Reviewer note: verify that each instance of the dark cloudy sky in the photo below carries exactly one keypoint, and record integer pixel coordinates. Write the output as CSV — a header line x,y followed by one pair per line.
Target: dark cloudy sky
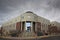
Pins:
x,y
49,9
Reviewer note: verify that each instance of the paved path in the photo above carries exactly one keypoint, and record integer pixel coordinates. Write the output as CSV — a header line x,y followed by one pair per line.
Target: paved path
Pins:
x,y
43,38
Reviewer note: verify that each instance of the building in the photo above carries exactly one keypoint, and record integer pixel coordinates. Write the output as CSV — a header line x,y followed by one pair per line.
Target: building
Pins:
x,y
27,23
54,27
0,31
54,23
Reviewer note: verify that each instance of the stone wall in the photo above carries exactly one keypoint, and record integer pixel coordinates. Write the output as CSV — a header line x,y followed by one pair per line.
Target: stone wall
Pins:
x,y
18,26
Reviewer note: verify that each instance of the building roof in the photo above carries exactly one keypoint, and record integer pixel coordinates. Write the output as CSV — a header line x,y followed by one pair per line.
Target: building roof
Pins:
x,y
29,12
26,15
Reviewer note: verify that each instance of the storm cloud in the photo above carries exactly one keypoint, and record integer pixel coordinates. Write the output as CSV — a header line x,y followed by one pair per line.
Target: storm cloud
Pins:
x,y
49,9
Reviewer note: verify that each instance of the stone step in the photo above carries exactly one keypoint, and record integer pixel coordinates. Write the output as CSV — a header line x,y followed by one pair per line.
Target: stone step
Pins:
x,y
28,34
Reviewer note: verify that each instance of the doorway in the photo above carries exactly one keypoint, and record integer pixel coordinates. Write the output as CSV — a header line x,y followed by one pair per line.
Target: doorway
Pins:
x,y
28,26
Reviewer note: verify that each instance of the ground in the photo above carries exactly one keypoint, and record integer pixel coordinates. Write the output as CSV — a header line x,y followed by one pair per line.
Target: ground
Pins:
x,y
33,38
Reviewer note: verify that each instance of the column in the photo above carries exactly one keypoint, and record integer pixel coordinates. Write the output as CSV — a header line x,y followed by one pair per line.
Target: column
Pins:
x,y
21,26
25,26
31,26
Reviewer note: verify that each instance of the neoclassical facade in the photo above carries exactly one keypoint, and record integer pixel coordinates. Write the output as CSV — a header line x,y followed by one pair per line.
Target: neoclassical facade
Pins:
x,y
28,24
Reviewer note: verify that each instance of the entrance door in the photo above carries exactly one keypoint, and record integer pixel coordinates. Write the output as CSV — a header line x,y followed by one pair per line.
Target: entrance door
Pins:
x,y
28,26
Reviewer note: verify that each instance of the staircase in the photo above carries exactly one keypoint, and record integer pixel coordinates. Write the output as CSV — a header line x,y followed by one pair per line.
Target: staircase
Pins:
x,y
28,34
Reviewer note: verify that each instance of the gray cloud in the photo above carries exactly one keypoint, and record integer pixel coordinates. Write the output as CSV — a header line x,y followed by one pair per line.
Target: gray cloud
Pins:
x,y
49,9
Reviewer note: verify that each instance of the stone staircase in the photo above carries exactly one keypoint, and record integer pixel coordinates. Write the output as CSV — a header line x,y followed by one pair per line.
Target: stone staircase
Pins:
x,y
28,34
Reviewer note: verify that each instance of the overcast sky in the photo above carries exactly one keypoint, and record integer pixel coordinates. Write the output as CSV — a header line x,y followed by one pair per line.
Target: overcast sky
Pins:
x,y
49,9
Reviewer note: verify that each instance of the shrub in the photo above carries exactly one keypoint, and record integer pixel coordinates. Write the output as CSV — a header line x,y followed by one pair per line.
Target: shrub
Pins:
x,y
39,34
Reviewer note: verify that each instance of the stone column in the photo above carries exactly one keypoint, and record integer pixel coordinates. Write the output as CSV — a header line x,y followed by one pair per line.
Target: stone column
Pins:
x,y
35,26
31,26
25,26
21,26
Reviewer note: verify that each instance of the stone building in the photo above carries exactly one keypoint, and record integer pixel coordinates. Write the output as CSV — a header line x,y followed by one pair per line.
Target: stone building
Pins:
x,y
54,27
28,24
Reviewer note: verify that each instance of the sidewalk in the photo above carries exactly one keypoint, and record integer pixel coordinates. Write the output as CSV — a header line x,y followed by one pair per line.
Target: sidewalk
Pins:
x,y
29,37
